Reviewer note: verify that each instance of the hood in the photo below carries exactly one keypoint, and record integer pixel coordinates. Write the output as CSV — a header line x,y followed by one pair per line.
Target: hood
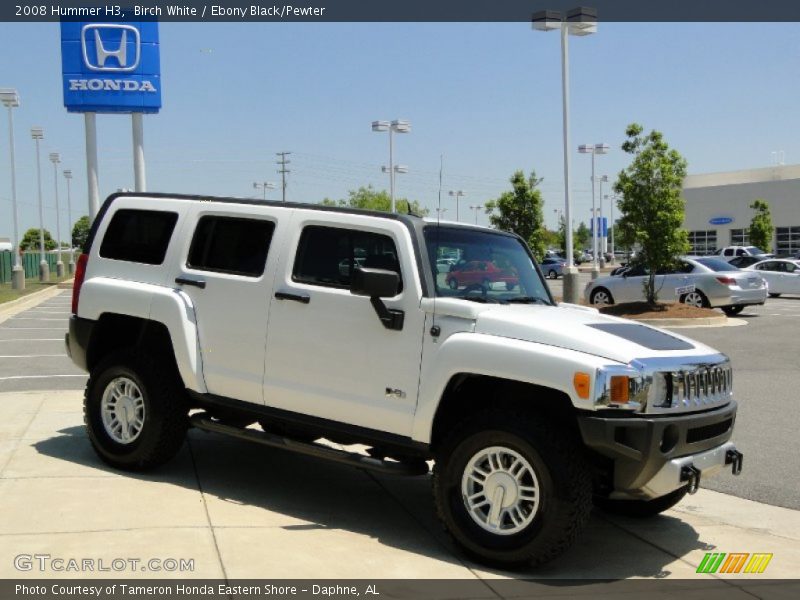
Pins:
x,y
588,331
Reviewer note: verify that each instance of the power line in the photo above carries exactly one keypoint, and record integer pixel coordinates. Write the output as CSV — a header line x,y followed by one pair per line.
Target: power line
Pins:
x,y
283,171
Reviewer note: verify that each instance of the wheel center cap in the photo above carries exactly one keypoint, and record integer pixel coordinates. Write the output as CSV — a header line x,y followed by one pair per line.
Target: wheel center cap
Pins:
x,y
507,484
126,409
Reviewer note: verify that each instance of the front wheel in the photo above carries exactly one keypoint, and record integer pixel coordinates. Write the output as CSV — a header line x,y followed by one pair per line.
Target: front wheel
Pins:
x,y
511,490
733,310
135,411
552,274
641,508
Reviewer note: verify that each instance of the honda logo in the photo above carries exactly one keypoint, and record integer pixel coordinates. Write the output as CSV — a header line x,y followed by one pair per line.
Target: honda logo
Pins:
x,y
110,47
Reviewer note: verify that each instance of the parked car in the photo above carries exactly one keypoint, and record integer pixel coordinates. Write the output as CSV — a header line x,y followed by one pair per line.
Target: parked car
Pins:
x,y
553,268
782,275
443,265
702,281
480,273
730,252
741,262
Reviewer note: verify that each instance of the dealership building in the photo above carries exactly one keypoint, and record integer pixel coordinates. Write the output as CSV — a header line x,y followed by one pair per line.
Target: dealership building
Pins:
x,y
718,209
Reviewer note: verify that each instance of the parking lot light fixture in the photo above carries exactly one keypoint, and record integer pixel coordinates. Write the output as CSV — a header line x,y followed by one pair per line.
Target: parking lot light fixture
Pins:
x,y
55,158
264,186
68,177
37,134
594,149
396,126
579,21
456,194
10,99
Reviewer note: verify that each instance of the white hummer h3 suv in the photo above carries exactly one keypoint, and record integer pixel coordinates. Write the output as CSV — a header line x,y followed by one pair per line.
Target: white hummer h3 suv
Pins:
x,y
315,322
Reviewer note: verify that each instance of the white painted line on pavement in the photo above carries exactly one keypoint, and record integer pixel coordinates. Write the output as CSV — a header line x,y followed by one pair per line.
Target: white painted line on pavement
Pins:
x,y
33,319
32,328
38,376
33,340
30,355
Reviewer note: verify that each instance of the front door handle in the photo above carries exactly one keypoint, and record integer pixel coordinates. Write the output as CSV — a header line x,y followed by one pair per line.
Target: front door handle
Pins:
x,y
201,283
302,298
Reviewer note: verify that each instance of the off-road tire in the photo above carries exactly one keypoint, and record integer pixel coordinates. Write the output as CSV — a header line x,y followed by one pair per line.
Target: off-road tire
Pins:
x,y
641,509
165,418
565,496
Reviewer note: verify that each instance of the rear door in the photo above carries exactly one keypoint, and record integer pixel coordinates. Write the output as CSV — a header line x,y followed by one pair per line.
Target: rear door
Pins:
x,y
227,268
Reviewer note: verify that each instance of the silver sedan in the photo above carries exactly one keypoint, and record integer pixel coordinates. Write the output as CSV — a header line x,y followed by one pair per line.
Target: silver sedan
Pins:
x,y
698,281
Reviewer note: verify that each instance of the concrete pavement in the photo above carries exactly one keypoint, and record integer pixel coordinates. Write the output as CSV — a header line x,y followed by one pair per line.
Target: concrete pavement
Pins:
x,y
243,511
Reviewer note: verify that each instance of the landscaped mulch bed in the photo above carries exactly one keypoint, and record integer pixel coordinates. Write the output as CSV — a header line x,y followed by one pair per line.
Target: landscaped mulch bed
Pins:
x,y
662,310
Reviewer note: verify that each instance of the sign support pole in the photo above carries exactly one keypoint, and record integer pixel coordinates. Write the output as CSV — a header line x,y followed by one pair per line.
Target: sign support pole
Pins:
x,y
90,120
138,152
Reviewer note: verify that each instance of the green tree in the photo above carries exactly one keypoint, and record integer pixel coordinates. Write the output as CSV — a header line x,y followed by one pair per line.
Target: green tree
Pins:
x,y
761,225
80,232
369,198
582,236
520,211
651,206
562,237
30,241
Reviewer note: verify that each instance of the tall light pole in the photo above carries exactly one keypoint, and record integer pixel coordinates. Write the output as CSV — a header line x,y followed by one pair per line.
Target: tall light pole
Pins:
x,y
10,99
603,230
264,186
612,200
476,208
37,133
456,194
55,158
398,170
579,21
440,212
594,149
68,177
396,126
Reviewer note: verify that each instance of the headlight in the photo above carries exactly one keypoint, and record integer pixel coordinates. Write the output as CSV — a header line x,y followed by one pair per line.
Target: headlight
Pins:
x,y
621,387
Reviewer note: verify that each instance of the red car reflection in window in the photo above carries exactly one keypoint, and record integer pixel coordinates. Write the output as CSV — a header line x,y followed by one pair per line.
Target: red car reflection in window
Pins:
x,y
480,273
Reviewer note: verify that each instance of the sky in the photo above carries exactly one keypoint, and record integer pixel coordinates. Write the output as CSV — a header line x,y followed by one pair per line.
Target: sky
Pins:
x,y
483,99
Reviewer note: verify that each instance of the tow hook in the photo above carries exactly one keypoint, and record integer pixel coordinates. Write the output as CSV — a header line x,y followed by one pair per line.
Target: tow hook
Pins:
x,y
735,458
691,474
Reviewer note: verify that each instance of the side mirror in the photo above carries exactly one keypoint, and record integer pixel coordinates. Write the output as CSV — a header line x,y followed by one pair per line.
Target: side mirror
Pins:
x,y
375,283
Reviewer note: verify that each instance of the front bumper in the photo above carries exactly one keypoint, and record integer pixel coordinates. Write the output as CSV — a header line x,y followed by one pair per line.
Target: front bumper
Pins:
x,y
649,457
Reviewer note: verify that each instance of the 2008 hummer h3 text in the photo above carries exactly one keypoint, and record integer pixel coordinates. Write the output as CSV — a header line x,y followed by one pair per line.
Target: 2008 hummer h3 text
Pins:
x,y
421,340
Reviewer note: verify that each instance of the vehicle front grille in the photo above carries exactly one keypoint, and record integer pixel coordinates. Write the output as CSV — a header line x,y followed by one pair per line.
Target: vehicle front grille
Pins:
x,y
698,388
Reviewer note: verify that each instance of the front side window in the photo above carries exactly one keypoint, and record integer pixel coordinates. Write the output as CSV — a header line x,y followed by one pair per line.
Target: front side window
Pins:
x,y
328,256
140,236
490,267
230,245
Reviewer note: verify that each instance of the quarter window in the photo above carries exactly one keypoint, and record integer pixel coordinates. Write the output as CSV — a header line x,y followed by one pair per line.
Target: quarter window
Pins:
x,y
140,236
231,245
327,256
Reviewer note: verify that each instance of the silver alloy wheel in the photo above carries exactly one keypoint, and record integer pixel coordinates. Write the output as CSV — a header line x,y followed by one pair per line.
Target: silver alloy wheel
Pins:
x,y
601,297
122,410
694,299
500,490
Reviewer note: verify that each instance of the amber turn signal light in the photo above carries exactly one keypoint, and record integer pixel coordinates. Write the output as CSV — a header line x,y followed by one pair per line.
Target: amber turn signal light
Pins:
x,y
582,383
619,389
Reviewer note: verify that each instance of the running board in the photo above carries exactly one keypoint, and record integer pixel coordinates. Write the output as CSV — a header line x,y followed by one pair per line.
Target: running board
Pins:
x,y
206,423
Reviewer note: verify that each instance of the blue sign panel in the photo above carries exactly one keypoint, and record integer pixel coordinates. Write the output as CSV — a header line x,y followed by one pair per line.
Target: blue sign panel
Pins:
x,y
720,220
111,67
602,226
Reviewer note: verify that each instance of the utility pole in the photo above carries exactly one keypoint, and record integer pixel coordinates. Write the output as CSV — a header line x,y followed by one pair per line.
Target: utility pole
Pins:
x,y
283,170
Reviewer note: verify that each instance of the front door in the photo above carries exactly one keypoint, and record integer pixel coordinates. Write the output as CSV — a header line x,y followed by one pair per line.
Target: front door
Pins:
x,y
328,355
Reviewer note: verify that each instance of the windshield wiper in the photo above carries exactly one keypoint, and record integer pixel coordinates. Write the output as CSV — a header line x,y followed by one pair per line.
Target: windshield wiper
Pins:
x,y
527,300
479,299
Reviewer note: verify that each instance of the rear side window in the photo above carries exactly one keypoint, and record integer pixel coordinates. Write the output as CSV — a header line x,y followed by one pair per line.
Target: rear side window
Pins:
x,y
140,236
328,255
231,245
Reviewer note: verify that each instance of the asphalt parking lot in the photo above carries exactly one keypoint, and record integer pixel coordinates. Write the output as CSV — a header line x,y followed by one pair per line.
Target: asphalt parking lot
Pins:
x,y
763,351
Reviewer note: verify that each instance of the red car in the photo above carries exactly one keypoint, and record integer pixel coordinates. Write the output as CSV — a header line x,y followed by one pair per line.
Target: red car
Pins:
x,y
481,273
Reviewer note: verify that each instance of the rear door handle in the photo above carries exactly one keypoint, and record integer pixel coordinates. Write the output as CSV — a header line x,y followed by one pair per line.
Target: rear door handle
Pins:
x,y
302,298
201,283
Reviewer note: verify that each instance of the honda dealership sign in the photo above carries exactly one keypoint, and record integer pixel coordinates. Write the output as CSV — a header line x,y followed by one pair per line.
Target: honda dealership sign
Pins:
x,y
111,67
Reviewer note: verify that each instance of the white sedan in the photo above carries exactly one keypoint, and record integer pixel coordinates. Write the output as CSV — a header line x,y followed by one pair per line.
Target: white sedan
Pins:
x,y
782,275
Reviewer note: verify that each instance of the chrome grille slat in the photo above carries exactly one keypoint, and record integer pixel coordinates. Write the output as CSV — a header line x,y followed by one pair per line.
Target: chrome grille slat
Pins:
x,y
698,387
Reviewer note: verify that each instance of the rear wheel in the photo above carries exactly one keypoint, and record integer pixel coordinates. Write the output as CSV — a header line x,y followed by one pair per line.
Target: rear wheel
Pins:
x,y
773,295
511,490
552,274
641,508
733,310
135,411
601,296
696,298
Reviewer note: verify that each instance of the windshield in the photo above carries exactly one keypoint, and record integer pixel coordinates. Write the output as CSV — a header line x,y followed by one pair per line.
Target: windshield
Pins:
x,y
483,266
755,250
716,264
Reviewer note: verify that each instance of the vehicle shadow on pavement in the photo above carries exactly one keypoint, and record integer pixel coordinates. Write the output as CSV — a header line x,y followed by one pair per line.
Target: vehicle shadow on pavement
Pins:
x,y
301,507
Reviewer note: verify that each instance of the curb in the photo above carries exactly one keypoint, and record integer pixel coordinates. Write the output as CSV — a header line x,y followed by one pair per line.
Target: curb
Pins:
x,y
721,321
14,307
